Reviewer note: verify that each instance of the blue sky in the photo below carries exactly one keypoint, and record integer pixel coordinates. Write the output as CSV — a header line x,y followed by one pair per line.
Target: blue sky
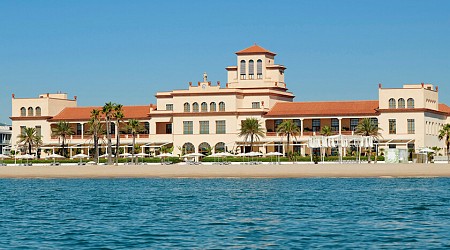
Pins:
x,y
125,51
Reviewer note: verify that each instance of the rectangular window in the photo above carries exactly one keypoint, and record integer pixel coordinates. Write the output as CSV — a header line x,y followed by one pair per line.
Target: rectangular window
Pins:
x,y
334,124
256,105
169,128
22,130
147,127
188,127
392,126
38,131
411,126
220,127
169,107
277,123
298,123
316,125
204,127
78,128
353,123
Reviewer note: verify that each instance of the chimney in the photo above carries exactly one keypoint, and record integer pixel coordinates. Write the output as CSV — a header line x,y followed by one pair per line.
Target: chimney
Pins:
x,y
379,85
209,83
198,83
75,97
218,83
13,96
190,84
227,85
423,85
437,89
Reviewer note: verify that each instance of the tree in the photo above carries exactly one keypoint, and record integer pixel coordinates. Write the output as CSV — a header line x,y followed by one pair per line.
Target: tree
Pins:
x,y
444,134
118,118
108,110
30,138
367,127
62,130
251,128
134,127
95,129
326,131
288,128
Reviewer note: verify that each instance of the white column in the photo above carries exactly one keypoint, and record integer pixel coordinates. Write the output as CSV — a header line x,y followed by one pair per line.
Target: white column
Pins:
x,y
340,125
301,126
82,130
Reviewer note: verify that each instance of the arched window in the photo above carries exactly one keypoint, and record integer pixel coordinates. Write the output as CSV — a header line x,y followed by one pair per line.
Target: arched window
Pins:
x,y
251,69
221,106
410,103
259,68
187,107
401,103
204,148
392,103
243,70
23,111
195,107
219,148
30,111
38,111
212,107
204,107
188,148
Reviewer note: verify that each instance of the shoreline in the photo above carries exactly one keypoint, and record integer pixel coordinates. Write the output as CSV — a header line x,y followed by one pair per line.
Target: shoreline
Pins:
x,y
379,170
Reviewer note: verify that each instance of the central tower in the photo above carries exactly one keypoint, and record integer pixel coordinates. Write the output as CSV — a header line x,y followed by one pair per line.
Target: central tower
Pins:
x,y
256,68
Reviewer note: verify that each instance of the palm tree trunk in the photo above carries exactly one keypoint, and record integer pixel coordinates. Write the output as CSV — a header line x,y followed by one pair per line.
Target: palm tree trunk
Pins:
x,y
370,152
96,148
288,142
251,143
108,135
63,139
29,148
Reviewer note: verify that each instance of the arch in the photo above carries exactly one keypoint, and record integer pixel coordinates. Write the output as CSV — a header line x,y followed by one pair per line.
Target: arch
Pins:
x,y
30,111
38,111
23,111
204,107
221,106
212,107
188,148
401,103
204,148
410,103
259,68
219,147
187,107
251,69
243,71
392,103
194,107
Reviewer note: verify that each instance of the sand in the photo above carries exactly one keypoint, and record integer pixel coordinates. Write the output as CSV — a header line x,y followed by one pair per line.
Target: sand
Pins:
x,y
229,171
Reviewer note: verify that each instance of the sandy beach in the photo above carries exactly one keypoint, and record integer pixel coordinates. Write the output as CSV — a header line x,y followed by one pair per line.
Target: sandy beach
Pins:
x,y
229,171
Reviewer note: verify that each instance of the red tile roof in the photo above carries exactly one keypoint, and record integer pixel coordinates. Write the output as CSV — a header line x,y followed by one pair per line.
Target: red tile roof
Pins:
x,y
84,113
255,49
444,108
337,108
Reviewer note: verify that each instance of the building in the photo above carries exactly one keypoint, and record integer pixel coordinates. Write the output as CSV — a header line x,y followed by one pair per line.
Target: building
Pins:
x,y
207,116
5,138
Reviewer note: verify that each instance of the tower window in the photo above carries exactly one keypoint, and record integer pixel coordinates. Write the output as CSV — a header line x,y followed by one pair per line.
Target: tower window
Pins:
x,y
212,107
204,107
38,111
187,107
195,107
259,69
23,111
251,69
221,106
243,70
410,103
30,111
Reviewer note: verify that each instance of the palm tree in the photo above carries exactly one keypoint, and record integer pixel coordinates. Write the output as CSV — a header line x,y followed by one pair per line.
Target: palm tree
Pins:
x,y
444,133
251,127
326,131
118,117
62,130
367,127
95,129
30,138
288,128
108,110
134,127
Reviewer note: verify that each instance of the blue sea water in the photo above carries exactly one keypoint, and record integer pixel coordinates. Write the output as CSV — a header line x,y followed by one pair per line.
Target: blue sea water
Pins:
x,y
225,213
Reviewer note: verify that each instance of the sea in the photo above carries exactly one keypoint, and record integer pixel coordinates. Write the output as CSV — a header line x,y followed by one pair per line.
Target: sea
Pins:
x,y
231,213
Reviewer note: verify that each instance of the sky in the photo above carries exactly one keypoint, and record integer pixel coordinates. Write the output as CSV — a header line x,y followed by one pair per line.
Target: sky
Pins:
x,y
126,51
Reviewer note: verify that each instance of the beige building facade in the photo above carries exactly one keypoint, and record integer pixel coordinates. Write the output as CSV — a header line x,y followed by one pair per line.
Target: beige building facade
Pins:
x,y
206,116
